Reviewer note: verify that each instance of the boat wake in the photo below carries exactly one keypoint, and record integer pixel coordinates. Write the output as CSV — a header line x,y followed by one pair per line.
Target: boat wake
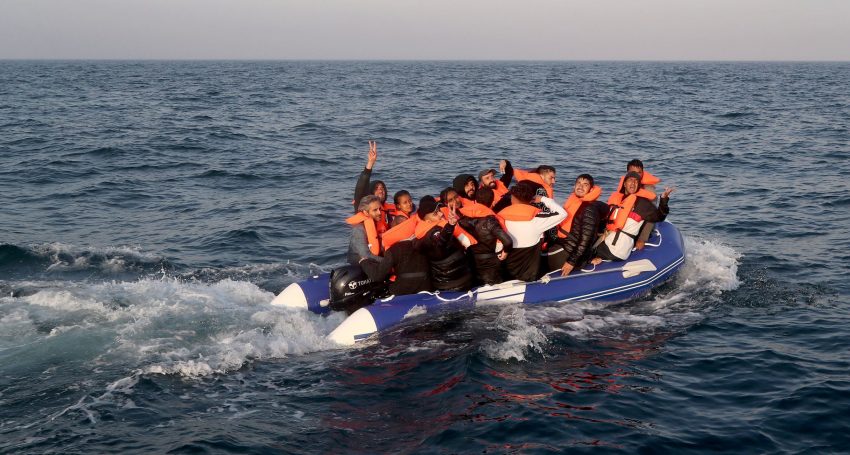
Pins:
x,y
524,330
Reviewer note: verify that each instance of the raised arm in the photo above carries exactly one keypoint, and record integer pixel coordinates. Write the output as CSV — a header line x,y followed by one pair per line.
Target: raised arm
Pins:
x,y
363,182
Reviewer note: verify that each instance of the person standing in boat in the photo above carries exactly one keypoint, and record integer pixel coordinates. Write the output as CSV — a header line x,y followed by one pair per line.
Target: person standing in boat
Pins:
x,y
630,208
584,223
365,186
448,264
525,225
365,241
493,243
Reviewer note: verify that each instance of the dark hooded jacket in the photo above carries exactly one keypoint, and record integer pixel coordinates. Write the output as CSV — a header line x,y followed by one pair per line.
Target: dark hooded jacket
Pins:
x,y
460,181
449,267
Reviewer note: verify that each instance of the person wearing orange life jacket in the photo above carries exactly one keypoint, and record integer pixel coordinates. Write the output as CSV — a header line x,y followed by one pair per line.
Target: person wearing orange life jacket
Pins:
x,y
544,175
366,187
487,179
493,243
448,264
364,241
404,207
584,223
630,208
402,258
465,186
648,181
525,225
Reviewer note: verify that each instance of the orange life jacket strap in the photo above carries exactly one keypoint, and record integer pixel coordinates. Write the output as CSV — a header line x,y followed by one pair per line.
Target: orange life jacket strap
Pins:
x,y
521,175
371,230
571,206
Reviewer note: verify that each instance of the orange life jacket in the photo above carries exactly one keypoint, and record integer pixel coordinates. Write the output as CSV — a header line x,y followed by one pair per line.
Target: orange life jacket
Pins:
x,y
499,192
480,211
626,204
647,179
572,204
403,231
534,177
371,230
462,236
387,210
519,212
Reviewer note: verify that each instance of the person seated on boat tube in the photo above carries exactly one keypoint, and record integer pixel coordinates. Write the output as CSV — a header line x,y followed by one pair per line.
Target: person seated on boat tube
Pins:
x,y
487,179
630,208
366,187
493,243
448,264
581,228
525,225
365,241
465,186
404,207
648,181
405,260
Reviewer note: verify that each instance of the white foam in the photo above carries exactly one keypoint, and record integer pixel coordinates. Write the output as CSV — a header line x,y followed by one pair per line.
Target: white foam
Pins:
x,y
67,258
164,326
709,270
521,338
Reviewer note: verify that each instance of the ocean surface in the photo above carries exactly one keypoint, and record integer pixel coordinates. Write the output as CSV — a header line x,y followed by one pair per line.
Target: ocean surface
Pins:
x,y
150,211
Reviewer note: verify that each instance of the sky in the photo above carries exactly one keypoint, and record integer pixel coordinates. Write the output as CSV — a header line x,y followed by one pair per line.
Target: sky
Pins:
x,y
426,29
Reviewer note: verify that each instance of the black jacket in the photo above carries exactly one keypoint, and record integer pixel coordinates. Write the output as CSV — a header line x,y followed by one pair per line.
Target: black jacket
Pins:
x,y
448,265
409,265
487,231
588,223
647,210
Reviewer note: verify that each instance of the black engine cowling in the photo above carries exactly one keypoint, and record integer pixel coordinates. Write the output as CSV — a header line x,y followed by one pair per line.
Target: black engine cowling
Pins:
x,y
351,289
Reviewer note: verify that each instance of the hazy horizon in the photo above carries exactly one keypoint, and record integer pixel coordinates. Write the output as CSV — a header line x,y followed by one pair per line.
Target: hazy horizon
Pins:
x,y
418,30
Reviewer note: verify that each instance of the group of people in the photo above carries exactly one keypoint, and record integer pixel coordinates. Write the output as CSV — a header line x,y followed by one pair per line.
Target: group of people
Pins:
x,y
488,230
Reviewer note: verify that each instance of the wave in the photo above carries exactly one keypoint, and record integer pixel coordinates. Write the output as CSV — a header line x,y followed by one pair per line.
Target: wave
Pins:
x,y
710,270
59,257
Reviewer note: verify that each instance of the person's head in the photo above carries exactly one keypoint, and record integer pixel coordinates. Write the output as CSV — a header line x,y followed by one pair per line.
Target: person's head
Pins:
x,y
378,188
449,198
635,166
487,178
429,209
403,201
547,173
584,183
484,196
631,183
523,192
465,185
371,206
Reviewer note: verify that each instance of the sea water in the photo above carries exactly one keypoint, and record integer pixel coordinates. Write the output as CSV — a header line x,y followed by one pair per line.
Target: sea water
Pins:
x,y
150,211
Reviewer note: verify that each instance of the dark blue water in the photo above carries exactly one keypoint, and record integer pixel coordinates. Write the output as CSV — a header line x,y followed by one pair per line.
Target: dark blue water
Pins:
x,y
150,210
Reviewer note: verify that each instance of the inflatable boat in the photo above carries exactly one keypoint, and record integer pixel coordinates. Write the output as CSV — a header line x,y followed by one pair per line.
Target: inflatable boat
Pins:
x,y
645,269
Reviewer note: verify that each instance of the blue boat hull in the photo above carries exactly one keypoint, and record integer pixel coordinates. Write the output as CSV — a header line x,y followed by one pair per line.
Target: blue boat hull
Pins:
x,y
664,253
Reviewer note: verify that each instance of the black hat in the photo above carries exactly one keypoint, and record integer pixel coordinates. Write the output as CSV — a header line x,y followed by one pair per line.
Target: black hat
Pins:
x,y
632,175
485,172
426,205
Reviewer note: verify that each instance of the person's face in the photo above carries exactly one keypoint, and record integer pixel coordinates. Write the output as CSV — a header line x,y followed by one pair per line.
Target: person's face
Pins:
x,y
469,189
582,187
405,204
374,211
488,181
631,185
434,216
381,192
635,169
549,178
451,200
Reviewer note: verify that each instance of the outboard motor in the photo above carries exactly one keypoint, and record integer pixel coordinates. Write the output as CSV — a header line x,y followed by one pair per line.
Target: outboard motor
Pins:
x,y
351,289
